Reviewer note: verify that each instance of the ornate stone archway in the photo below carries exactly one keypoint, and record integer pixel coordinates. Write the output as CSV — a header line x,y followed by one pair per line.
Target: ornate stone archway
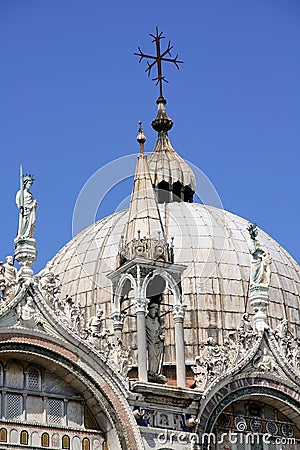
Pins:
x,y
103,397
230,411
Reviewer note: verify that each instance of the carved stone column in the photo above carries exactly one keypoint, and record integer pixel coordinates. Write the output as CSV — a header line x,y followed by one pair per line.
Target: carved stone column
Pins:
x,y
140,305
178,315
25,254
259,300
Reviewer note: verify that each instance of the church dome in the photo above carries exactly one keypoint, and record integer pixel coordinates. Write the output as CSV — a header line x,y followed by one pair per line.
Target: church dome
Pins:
x,y
212,244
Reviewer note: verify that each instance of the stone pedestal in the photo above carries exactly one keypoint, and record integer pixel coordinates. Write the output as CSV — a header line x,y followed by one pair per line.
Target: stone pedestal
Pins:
x,y
259,300
25,255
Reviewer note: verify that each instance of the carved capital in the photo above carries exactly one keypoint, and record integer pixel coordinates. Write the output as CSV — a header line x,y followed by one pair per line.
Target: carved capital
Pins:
x,y
141,305
178,312
118,320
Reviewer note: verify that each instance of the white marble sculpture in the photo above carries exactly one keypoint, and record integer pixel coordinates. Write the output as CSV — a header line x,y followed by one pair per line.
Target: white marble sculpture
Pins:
x,y
9,278
27,206
260,262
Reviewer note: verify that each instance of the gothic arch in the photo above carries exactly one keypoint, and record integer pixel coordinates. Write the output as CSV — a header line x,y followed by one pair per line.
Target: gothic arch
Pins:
x,y
120,286
100,392
172,284
268,390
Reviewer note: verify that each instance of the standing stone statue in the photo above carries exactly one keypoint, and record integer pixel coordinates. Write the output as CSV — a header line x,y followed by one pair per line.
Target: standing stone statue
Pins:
x,y
155,344
48,283
260,273
2,280
245,332
95,325
27,206
10,271
10,278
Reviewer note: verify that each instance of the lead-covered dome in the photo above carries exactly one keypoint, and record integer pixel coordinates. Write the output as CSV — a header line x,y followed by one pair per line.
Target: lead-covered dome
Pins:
x,y
212,243
172,177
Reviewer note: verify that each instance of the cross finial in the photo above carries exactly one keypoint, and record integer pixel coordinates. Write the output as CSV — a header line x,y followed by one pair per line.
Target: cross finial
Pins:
x,y
158,58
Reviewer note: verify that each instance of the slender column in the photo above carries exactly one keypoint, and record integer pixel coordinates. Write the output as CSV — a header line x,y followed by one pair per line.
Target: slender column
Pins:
x,y
178,314
140,306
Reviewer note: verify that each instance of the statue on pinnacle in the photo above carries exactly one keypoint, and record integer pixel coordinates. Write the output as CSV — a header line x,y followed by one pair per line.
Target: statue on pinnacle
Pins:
x,y
27,208
25,251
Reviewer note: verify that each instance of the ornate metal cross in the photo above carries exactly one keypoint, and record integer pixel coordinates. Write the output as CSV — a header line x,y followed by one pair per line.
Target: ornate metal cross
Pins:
x,y
158,59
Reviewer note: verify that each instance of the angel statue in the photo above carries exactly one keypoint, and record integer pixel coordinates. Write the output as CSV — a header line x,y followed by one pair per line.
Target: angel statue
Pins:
x,y
260,272
27,206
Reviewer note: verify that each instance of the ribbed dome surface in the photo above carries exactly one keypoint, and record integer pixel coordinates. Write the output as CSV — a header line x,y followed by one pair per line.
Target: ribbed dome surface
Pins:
x,y
166,165
212,243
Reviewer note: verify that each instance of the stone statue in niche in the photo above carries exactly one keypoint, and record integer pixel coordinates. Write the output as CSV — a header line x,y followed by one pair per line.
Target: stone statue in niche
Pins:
x,y
27,208
260,272
48,283
27,314
9,279
155,344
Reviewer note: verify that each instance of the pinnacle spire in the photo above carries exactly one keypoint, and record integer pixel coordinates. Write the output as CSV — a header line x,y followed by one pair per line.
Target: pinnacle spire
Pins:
x,y
141,138
144,234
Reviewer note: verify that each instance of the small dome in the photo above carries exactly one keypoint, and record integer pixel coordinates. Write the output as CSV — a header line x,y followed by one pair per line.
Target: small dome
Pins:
x,y
166,165
212,243
171,176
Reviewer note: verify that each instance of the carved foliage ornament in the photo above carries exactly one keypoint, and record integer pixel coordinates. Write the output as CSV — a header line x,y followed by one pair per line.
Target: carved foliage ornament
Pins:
x,y
214,359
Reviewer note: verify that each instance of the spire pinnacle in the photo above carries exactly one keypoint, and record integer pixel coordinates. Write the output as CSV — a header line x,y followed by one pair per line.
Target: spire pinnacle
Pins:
x,y
141,138
144,234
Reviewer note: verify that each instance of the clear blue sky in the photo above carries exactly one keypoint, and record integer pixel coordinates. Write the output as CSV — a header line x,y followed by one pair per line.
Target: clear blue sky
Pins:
x,y
71,93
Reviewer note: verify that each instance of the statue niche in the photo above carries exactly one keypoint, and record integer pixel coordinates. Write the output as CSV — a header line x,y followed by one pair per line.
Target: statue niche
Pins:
x,y
154,330
155,343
